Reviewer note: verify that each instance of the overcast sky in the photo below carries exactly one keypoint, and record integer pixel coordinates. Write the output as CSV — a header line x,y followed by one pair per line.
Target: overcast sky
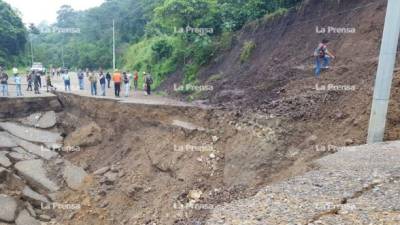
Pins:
x,y
36,11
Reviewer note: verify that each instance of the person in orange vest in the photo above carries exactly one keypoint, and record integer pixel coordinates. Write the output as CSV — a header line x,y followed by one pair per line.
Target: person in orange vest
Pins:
x,y
117,78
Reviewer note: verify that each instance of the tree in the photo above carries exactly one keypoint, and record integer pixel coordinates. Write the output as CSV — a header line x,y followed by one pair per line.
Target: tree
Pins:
x,y
12,35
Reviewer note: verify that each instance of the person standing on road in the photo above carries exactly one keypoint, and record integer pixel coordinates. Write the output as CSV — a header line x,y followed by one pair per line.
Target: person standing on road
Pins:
x,y
17,80
36,78
40,80
93,83
103,84
4,83
322,54
81,80
135,80
127,83
29,81
67,81
108,77
149,81
49,86
117,82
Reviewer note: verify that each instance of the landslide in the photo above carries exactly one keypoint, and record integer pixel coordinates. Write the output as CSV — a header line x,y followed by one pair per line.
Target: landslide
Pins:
x,y
156,182
278,77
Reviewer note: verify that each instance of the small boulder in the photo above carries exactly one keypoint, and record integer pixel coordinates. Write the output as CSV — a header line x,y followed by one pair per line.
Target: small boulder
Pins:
x,y
35,174
48,120
102,171
8,208
34,197
74,175
4,160
24,218
84,136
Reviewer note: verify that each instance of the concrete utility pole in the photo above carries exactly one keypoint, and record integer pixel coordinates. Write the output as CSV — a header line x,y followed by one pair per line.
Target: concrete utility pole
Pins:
x,y
113,46
31,48
383,82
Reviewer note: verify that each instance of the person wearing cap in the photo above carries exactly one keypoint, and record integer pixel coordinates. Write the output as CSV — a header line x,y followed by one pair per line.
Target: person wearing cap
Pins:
x,y
117,82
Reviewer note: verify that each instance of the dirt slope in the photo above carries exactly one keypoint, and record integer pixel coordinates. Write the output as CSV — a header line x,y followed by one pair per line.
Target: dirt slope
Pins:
x,y
278,78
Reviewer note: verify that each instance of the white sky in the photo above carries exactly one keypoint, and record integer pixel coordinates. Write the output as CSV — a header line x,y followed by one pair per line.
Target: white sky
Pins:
x,y
36,11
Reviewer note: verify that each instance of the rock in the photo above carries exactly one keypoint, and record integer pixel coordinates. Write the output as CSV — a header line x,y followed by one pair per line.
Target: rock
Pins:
x,y
132,190
102,171
37,150
25,219
4,161
212,156
52,196
30,209
195,194
34,197
15,182
35,174
44,218
6,141
186,125
84,136
48,120
312,140
32,120
114,169
215,139
84,165
8,208
15,156
3,174
30,133
110,178
349,142
74,175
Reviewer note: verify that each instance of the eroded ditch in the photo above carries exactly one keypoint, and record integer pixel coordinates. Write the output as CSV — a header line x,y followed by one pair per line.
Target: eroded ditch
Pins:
x,y
122,163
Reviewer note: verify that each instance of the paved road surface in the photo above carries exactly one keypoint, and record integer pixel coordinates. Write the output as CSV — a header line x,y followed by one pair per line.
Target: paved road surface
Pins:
x,y
138,97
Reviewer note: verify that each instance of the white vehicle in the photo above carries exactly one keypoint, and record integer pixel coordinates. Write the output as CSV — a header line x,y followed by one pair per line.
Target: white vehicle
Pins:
x,y
38,67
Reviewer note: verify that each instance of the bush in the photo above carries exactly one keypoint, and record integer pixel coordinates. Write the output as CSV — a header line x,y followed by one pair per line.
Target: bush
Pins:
x,y
161,49
247,50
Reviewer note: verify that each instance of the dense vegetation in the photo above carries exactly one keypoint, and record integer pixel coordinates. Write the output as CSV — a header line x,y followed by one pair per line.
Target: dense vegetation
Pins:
x,y
12,36
161,36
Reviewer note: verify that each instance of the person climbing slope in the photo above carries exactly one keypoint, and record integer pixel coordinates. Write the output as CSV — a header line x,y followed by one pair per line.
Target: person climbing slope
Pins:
x,y
322,54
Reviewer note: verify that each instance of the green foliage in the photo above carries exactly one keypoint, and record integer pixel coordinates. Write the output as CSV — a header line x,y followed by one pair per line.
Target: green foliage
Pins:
x,y
215,77
278,13
12,36
173,14
247,50
156,36
161,49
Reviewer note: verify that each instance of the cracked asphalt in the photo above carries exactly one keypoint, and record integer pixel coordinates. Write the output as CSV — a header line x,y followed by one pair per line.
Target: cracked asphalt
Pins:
x,y
357,185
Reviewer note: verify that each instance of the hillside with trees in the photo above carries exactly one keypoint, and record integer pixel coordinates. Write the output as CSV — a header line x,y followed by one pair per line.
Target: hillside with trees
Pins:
x,y
160,36
12,36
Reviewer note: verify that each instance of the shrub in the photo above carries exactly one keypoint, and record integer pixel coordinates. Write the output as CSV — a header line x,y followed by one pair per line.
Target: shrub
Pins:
x,y
247,50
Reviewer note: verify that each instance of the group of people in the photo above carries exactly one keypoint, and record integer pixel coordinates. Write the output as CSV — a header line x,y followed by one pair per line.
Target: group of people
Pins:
x,y
31,78
124,79
120,80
